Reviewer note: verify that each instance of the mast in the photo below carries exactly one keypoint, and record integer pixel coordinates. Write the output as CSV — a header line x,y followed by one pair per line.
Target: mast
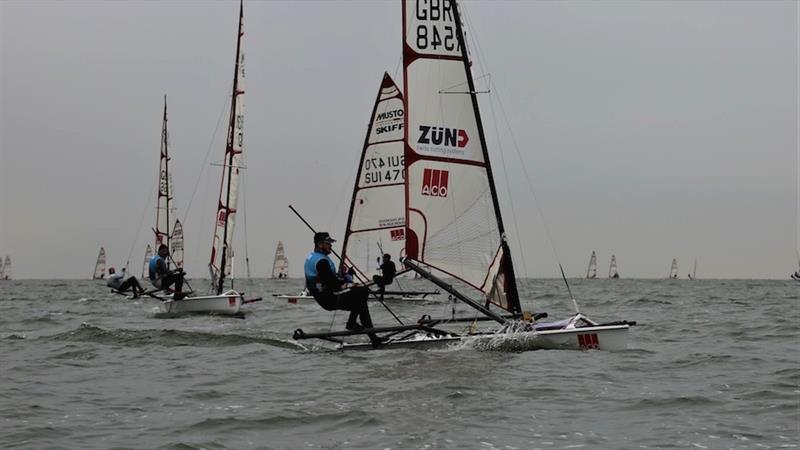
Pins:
x,y
511,279
226,208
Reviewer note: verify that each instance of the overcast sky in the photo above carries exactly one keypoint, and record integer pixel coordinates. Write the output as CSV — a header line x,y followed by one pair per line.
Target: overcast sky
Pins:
x,y
652,130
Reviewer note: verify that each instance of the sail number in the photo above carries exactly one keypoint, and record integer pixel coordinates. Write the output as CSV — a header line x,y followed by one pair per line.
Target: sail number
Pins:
x,y
384,170
431,37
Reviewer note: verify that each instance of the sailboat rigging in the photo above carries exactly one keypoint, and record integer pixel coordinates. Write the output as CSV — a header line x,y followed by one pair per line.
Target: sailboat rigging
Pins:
x,y
453,223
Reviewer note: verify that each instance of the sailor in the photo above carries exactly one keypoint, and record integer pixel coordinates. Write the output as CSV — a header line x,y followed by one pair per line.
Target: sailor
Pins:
x,y
120,282
160,275
324,285
388,271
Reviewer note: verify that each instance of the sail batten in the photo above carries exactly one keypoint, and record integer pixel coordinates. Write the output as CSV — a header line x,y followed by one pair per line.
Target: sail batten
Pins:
x,y
453,218
222,243
376,220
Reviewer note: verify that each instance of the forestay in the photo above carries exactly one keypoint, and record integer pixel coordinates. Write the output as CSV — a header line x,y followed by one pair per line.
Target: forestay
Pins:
x,y
376,222
453,217
280,265
222,244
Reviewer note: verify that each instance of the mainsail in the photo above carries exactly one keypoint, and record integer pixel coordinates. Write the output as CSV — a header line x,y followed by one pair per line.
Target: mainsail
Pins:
x,y
7,268
453,216
176,244
164,203
280,265
99,265
2,269
148,254
376,223
591,272
673,270
222,244
612,268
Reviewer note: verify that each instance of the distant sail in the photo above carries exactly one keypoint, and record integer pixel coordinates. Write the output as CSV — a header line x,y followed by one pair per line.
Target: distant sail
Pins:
x,y
673,270
377,210
591,272
693,275
612,269
148,254
280,265
2,269
99,265
6,268
177,244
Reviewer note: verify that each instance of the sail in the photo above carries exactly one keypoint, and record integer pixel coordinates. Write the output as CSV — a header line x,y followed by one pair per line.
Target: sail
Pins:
x,y
612,268
591,272
148,254
99,265
453,217
2,269
280,265
694,270
176,244
222,243
673,270
7,268
376,222
164,202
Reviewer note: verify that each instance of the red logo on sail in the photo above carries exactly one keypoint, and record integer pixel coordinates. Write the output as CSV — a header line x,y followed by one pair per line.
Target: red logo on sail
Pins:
x,y
398,234
434,182
221,218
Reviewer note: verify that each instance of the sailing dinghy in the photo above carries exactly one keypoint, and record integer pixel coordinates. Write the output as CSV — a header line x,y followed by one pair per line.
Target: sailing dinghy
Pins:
x,y
280,265
453,225
673,269
5,268
100,265
591,272
223,301
612,268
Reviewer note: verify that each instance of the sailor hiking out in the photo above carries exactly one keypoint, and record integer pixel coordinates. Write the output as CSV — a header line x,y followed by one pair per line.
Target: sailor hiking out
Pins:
x,y
323,283
162,277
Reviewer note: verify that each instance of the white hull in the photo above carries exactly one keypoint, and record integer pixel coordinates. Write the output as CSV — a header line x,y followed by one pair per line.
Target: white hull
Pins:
x,y
228,304
609,338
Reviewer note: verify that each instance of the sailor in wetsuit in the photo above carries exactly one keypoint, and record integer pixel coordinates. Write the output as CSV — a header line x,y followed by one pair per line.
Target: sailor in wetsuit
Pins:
x,y
160,275
324,285
388,271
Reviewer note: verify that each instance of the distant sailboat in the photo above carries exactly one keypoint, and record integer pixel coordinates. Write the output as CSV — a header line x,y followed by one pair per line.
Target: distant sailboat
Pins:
x,y
177,243
673,270
280,265
5,268
612,268
591,272
148,254
99,265
693,275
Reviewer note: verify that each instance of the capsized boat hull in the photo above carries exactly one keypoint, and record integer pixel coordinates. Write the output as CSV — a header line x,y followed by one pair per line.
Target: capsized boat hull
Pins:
x,y
607,337
228,303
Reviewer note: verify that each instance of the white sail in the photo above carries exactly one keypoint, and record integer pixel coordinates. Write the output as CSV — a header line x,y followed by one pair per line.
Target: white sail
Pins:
x,y
148,254
612,268
222,243
7,268
2,269
280,265
591,272
376,222
164,202
99,265
453,219
673,270
176,244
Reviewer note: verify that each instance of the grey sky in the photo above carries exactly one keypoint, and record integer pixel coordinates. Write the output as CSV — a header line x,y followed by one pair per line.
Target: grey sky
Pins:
x,y
652,130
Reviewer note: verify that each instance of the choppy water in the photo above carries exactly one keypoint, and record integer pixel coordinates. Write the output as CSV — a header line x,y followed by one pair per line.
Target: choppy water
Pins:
x,y
712,364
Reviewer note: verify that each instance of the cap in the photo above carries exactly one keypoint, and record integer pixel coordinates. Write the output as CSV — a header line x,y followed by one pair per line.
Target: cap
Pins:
x,y
323,236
